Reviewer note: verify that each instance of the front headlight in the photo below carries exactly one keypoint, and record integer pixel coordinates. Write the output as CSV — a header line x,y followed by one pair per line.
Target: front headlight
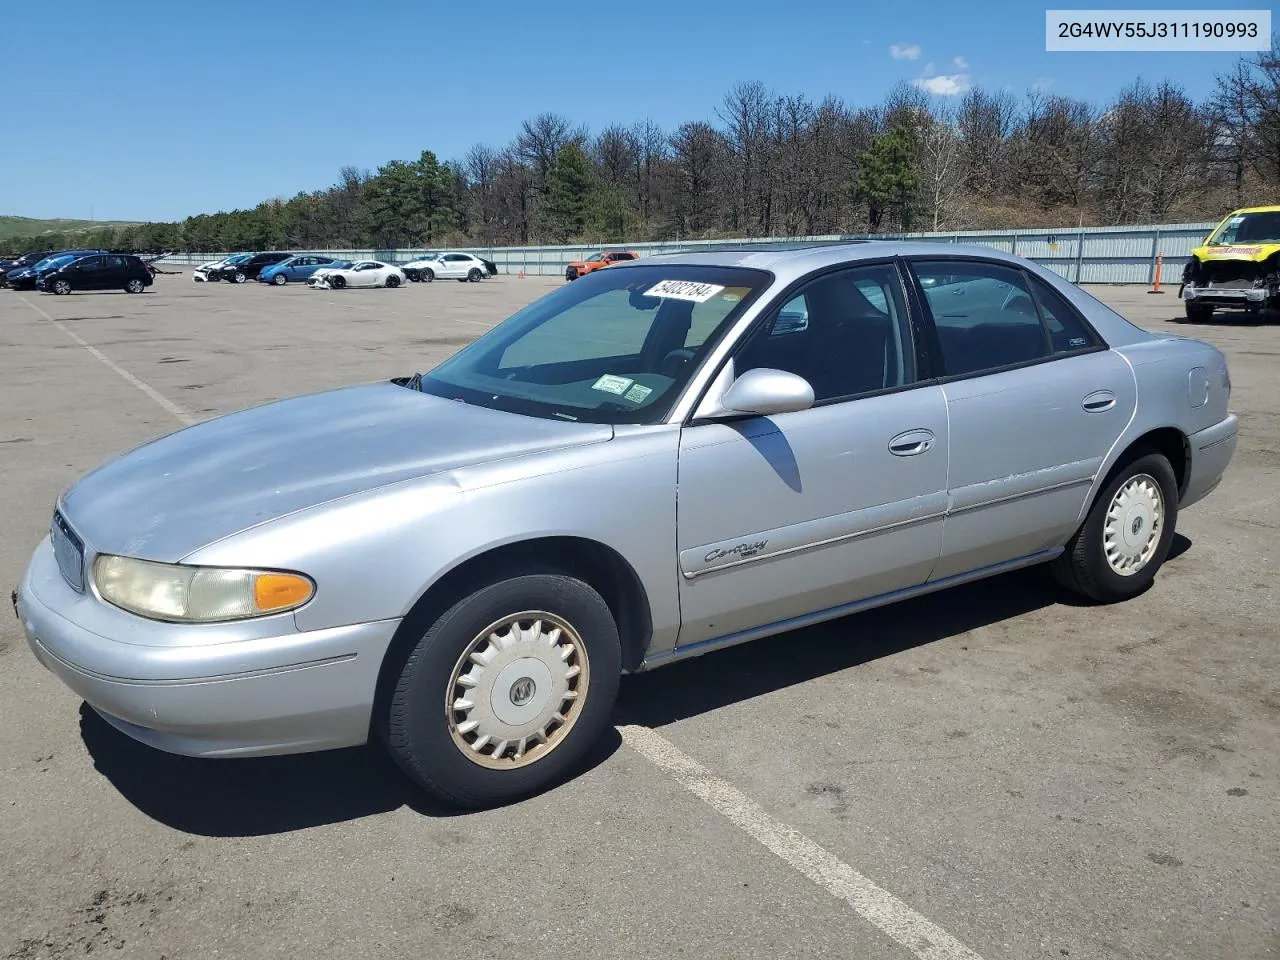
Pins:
x,y
189,594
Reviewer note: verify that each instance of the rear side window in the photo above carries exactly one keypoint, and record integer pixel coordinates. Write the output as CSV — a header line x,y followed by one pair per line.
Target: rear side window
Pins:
x,y
984,315
1067,330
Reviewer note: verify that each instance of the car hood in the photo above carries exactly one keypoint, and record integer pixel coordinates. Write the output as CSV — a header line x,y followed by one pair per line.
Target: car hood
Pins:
x,y
169,497
1256,252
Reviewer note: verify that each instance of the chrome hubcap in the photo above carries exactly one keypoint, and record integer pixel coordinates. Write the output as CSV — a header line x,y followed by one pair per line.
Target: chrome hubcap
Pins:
x,y
1135,520
517,690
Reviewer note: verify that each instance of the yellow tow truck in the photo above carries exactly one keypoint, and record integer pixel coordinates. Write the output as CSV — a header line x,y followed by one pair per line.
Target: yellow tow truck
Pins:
x,y
1238,267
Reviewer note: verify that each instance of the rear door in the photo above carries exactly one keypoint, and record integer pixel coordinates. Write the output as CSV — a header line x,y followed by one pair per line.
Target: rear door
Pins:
x,y
1035,400
114,272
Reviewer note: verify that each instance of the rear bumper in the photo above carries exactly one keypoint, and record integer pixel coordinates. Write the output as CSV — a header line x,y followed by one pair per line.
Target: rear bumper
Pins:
x,y
1211,452
290,693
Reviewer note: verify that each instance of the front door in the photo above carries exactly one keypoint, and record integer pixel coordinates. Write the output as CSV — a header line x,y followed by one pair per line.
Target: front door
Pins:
x,y
1035,401
799,513
91,273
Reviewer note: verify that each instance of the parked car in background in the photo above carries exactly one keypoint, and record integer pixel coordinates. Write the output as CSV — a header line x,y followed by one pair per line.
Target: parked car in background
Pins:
x,y
209,272
21,263
107,271
297,268
414,268
249,268
1238,267
597,261
363,273
463,562
453,265
25,278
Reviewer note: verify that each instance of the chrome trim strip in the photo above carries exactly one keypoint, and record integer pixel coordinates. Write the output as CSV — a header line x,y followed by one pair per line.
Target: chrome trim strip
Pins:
x,y
1021,495
844,609
1214,443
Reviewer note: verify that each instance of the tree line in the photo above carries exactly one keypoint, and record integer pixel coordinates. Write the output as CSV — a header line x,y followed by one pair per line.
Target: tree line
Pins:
x,y
770,164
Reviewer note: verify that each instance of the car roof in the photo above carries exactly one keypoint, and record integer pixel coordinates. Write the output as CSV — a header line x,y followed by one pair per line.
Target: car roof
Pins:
x,y
1271,209
790,260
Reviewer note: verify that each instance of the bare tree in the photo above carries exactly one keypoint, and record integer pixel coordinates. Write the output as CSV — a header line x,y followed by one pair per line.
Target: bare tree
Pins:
x,y
613,152
746,114
939,170
697,155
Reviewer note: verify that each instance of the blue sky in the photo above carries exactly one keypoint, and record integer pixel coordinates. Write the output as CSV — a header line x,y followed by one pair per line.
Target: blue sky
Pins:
x,y
159,112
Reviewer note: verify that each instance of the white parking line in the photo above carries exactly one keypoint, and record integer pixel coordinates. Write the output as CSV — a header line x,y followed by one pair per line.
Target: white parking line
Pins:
x,y
873,903
186,419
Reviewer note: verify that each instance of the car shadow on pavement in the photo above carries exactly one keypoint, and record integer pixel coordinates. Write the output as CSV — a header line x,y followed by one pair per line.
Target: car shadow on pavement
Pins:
x,y
763,666
264,795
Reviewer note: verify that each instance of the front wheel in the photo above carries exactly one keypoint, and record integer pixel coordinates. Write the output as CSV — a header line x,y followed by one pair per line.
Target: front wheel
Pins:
x,y
1199,312
393,282
506,691
134,286
240,277
427,275
279,279
61,287
1126,536
337,282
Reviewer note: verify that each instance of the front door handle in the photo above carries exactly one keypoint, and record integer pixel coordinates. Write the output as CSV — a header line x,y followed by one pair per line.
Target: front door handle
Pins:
x,y
1099,401
911,443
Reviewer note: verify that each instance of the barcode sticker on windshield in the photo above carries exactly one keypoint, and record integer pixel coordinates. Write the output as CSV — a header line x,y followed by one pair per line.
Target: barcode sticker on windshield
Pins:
x,y
610,383
684,290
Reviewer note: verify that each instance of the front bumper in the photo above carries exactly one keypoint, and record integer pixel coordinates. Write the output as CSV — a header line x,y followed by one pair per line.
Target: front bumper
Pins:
x,y
289,693
1242,297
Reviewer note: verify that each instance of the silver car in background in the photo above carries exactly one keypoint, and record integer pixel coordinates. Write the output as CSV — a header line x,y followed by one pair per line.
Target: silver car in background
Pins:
x,y
660,460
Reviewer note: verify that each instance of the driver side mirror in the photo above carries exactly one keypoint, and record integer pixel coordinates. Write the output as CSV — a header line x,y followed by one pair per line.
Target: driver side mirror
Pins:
x,y
763,392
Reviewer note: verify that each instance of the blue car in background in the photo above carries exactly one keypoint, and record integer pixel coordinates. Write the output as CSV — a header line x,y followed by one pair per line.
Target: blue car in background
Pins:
x,y
297,269
26,277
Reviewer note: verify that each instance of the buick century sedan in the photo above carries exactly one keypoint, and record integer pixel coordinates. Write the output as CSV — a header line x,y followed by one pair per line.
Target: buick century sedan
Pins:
x,y
657,461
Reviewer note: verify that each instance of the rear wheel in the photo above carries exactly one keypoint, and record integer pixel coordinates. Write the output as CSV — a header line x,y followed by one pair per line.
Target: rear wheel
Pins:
x,y
279,279
474,275
134,286
1123,541
506,691
393,281
1199,312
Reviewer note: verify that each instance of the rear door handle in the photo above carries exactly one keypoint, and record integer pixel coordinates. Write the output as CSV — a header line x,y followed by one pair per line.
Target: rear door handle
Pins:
x,y
1099,401
911,443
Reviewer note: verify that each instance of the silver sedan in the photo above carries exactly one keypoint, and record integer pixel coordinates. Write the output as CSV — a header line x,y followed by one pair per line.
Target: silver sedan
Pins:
x,y
663,459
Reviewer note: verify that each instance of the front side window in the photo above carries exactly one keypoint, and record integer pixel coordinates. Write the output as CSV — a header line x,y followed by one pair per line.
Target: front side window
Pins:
x,y
846,333
91,263
617,347
983,313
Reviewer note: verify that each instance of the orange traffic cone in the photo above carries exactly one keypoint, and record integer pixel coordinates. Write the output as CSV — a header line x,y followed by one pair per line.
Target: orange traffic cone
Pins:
x,y
1155,288
520,275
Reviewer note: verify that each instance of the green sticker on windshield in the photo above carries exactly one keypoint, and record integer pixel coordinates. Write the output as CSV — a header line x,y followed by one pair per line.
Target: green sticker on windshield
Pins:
x,y
612,384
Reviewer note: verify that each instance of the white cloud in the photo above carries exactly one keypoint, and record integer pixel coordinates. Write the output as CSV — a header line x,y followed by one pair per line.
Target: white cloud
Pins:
x,y
928,69
947,85
905,51
962,63
1042,83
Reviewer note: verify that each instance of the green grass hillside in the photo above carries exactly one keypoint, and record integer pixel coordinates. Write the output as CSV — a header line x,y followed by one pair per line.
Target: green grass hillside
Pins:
x,y
29,227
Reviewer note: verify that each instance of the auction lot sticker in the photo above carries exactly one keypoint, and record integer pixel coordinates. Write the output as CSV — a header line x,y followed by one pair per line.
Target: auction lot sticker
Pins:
x,y
684,290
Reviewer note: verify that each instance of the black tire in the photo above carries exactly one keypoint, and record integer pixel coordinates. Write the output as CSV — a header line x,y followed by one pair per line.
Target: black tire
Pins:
x,y
61,287
337,282
279,279
1083,567
134,286
393,281
418,732
1199,312
239,277
427,275
413,276
475,274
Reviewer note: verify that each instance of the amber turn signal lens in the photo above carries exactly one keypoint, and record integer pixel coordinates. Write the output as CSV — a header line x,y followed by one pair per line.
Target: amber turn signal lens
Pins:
x,y
275,591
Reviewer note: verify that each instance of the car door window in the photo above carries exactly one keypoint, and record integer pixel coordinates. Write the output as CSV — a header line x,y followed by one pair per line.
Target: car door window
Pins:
x,y
983,313
114,263
1067,329
90,264
846,333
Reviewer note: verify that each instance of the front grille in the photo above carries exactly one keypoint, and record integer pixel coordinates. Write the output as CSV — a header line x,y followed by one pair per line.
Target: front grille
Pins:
x,y
69,551
1232,272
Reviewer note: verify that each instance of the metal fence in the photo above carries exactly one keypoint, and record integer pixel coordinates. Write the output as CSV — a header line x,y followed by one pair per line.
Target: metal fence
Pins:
x,y
1082,255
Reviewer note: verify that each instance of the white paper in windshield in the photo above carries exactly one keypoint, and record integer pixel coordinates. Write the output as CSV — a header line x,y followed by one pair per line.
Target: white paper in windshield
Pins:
x,y
611,383
684,290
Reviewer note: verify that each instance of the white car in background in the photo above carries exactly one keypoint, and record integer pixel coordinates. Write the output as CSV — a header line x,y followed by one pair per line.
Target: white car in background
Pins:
x,y
206,272
450,265
363,273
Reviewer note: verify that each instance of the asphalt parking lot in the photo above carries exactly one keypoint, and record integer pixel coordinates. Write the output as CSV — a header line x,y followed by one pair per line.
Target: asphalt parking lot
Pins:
x,y
991,772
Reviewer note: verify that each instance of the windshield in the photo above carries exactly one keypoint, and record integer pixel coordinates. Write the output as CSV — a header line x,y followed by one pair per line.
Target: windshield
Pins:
x,y
1248,228
594,257
50,262
239,258
618,346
